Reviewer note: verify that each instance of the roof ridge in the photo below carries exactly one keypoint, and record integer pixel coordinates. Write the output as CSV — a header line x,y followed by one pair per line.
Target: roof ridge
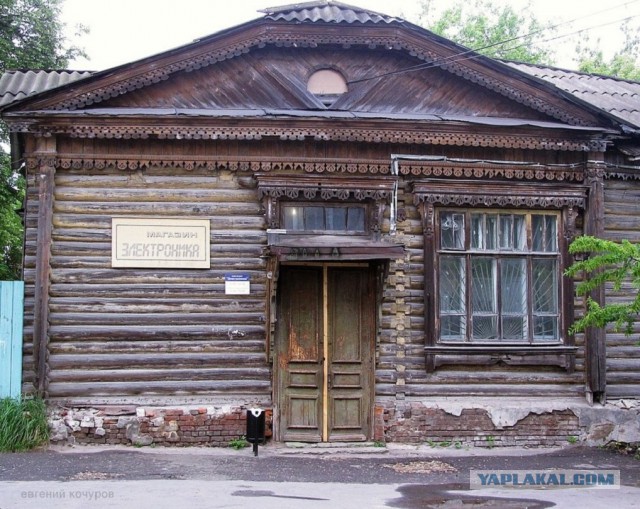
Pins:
x,y
569,71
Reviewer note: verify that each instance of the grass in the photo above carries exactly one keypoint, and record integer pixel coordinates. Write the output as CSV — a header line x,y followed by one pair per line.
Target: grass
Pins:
x,y
238,443
23,424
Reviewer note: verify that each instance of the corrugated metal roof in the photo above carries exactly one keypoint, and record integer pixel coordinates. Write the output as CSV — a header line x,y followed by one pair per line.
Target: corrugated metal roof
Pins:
x,y
620,98
328,12
16,85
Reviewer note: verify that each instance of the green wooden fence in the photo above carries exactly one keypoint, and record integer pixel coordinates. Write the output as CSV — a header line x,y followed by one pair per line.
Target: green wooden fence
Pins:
x,y
11,315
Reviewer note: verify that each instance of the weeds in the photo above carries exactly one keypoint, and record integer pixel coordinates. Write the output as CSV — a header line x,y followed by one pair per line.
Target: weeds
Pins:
x,y
572,439
23,424
491,441
238,443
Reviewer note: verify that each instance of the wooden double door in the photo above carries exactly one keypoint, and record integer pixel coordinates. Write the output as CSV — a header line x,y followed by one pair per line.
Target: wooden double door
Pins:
x,y
325,339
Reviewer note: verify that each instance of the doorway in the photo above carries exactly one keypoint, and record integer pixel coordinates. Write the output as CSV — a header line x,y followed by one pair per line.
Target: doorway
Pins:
x,y
324,343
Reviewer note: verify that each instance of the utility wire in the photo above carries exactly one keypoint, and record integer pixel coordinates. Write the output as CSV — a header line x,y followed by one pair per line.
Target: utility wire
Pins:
x,y
461,56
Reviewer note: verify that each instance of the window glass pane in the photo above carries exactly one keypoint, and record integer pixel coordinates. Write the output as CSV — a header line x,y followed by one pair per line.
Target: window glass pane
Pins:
x,y
519,232
452,327
550,239
451,230
483,298
514,328
477,231
545,285
313,218
491,230
293,218
485,327
335,218
545,327
452,284
483,285
452,298
506,227
544,233
513,285
355,219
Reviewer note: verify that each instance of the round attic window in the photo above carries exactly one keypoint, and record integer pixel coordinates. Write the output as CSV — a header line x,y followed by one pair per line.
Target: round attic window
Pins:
x,y
327,84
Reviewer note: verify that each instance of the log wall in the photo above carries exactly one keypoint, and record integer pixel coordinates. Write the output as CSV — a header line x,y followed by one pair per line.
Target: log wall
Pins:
x,y
146,334
622,213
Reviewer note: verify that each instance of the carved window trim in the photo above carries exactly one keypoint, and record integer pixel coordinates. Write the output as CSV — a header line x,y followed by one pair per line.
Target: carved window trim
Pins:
x,y
274,190
567,200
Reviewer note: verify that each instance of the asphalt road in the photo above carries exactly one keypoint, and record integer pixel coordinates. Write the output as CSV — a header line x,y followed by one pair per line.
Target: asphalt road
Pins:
x,y
400,476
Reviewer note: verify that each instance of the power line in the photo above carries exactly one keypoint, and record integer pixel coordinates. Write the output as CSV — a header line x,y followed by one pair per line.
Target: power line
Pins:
x,y
462,56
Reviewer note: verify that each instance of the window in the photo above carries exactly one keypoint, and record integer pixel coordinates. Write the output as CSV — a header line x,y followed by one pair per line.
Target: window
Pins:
x,y
325,218
498,277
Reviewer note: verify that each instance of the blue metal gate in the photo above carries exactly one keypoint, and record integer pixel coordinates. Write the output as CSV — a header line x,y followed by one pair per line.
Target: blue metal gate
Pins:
x,y
11,323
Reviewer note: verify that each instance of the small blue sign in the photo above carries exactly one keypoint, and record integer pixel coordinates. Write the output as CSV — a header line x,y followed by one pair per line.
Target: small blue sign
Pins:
x,y
236,277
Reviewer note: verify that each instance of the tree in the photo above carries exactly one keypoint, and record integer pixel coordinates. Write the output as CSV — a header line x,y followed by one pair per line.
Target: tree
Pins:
x,y
497,32
623,64
615,263
31,37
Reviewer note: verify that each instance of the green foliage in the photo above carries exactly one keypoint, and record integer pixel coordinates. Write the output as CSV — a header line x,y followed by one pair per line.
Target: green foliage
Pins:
x,y
23,424
238,443
612,263
495,31
625,63
31,37
11,199
572,439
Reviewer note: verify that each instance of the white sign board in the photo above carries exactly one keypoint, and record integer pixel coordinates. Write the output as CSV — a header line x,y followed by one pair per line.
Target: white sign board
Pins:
x,y
237,284
159,242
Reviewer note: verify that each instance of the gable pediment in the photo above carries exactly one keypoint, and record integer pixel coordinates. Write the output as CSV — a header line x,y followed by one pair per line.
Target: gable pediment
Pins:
x,y
277,78
265,63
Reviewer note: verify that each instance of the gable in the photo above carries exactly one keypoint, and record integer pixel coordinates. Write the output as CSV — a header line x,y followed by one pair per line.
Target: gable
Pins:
x,y
277,78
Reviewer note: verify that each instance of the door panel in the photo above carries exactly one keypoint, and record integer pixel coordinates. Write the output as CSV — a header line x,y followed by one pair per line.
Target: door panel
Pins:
x,y
324,399
351,309
299,338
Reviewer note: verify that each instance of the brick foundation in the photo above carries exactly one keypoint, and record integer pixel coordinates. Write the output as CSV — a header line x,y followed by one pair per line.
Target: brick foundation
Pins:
x,y
419,424
205,426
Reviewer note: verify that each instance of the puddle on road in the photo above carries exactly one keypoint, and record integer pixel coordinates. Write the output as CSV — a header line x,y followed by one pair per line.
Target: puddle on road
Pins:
x,y
417,496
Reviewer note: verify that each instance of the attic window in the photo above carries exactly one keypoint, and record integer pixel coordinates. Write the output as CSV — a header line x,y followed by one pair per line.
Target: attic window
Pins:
x,y
327,85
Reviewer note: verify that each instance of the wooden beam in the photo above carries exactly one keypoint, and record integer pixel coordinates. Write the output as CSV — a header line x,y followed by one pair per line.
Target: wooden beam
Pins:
x,y
595,338
46,149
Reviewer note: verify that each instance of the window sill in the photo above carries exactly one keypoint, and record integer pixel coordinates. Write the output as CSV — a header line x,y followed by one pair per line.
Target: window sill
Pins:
x,y
554,355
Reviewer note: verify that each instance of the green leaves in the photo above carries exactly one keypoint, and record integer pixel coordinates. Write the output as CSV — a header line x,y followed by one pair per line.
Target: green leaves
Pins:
x,y
495,31
608,263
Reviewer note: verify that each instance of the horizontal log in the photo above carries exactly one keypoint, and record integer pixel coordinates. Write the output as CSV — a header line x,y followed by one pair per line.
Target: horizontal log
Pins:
x,y
236,387
158,375
154,359
157,303
240,345
153,332
126,206
184,195
168,319
484,390
136,276
164,288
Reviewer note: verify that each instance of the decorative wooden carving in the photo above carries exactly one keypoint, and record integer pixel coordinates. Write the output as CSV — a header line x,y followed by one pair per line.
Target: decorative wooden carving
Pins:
x,y
487,194
427,135
271,188
188,161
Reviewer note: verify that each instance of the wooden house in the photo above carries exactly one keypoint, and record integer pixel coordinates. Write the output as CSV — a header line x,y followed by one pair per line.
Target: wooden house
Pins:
x,y
329,213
